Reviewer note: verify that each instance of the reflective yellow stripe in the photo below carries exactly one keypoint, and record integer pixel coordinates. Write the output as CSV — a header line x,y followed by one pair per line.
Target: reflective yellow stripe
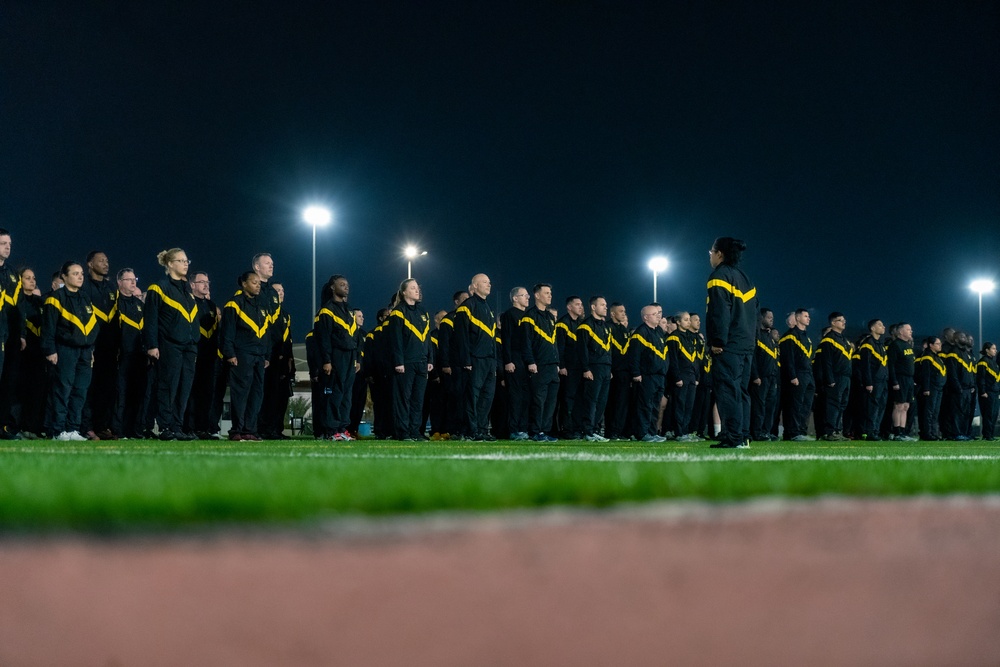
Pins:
x,y
351,328
551,339
689,356
732,289
288,332
12,300
604,345
482,325
983,364
882,359
70,317
661,355
622,350
132,323
802,347
189,316
33,329
837,345
772,353
258,331
210,331
409,325
562,325
110,314
933,362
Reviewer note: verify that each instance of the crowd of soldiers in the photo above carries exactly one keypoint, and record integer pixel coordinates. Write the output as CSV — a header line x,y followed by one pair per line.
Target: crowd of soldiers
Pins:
x,y
96,358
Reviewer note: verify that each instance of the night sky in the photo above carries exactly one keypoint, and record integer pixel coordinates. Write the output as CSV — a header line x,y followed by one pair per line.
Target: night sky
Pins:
x,y
855,146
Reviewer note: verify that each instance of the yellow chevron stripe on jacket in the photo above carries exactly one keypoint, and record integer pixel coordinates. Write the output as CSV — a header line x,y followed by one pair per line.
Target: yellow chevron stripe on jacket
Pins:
x,y
71,318
844,351
983,364
883,359
207,333
661,354
189,316
351,328
108,316
802,347
744,296
421,336
37,331
603,344
771,353
969,366
125,319
690,356
562,325
621,350
259,331
550,339
492,331
933,362
12,298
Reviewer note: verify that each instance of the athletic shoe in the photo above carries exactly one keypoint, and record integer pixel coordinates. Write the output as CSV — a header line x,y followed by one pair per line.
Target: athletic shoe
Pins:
x,y
669,435
802,438
252,437
653,438
962,438
167,435
593,437
723,445
235,437
744,444
346,437
76,437
489,438
687,437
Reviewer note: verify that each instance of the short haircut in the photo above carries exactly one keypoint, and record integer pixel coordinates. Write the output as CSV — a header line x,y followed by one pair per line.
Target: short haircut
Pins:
x,y
191,277
594,299
615,304
698,315
244,277
121,273
538,287
834,315
457,295
571,299
514,292
765,311
256,258
94,253
799,311
872,323
4,232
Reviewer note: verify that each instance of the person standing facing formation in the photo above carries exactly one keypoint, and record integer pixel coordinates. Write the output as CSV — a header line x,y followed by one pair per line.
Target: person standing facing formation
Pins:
x,y
409,329
476,350
69,330
244,344
731,330
170,334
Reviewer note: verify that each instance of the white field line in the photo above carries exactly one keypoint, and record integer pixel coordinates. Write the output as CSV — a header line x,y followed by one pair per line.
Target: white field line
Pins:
x,y
583,457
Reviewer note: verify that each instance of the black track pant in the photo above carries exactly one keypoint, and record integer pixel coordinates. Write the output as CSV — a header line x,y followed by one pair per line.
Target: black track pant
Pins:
x,y
340,384
518,398
98,410
479,392
616,413
69,388
32,391
875,408
930,412
131,401
647,404
359,397
682,401
408,400
988,414
246,392
200,403
569,398
763,405
836,398
174,378
595,398
798,405
730,380
544,394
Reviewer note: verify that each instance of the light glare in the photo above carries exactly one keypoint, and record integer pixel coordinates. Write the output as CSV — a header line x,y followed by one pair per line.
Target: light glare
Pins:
x,y
658,264
317,216
983,286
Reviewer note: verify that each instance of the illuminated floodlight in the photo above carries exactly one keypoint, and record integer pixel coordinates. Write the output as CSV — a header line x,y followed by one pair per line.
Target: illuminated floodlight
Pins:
x,y
982,285
658,264
411,252
317,216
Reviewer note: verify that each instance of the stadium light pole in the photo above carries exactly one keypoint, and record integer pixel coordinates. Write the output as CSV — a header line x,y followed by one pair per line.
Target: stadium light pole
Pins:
x,y
657,265
411,253
316,216
981,286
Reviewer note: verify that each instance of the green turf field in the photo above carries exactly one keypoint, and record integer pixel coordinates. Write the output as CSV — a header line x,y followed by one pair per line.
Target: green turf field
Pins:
x,y
152,485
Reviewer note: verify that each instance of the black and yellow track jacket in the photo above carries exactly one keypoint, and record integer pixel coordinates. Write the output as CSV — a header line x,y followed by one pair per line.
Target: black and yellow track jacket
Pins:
x,y
731,319
566,342
647,352
171,314
961,366
834,356
31,307
409,334
130,319
67,319
682,346
930,372
475,331
208,327
593,343
619,346
538,328
11,319
765,357
335,329
873,362
103,295
244,328
901,362
512,340
796,351
987,376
